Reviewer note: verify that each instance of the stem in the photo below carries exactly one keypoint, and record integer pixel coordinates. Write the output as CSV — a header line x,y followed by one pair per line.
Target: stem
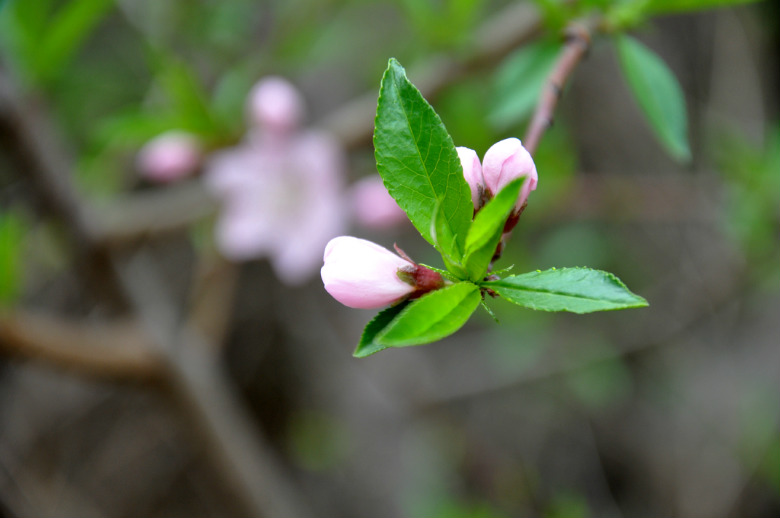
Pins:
x,y
578,39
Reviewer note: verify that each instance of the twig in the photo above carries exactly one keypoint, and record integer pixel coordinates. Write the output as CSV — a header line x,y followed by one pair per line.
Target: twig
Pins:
x,y
82,349
42,160
152,214
249,464
211,302
578,37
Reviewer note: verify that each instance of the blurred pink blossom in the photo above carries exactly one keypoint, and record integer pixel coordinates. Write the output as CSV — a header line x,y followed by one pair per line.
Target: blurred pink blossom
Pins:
x,y
169,157
362,274
281,189
372,205
275,105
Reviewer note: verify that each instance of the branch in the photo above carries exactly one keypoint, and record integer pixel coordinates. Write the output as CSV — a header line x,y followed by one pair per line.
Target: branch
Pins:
x,y
82,349
248,465
578,37
42,160
211,302
152,213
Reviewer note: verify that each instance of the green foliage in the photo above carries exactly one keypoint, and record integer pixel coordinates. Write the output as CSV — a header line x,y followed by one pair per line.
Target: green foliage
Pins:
x,y
519,82
45,40
432,317
188,100
442,24
568,504
417,159
485,232
753,199
658,94
420,167
446,242
680,6
368,344
579,290
11,233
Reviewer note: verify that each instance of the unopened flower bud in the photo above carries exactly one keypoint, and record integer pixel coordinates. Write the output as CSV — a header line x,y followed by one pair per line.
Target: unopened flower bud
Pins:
x,y
505,161
472,171
169,157
362,274
275,105
372,205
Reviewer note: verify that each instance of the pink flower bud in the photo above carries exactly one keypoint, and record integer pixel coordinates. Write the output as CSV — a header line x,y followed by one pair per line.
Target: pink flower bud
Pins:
x,y
472,171
372,205
362,274
169,157
275,105
505,161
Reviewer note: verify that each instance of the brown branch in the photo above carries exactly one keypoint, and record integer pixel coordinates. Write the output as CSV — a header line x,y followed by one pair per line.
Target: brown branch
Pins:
x,y
118,353
152,214
578,37
42,161
211,302
248,466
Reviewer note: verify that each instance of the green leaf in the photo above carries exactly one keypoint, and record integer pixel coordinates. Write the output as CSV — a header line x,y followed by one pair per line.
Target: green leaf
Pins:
x,y
11,232
71,26
519,82
488,310
187,95
417,159
579,290
432,317
368,344
485,232
658,94
679,6
446,243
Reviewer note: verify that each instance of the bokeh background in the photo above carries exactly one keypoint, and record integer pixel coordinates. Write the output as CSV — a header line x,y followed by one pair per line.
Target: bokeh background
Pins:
x,y
143,374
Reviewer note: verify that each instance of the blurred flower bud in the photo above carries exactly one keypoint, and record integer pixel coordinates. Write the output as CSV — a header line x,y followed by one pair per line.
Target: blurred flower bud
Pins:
x,y
372,205
283,204
169,157
275,105
505,161
362,274
472,171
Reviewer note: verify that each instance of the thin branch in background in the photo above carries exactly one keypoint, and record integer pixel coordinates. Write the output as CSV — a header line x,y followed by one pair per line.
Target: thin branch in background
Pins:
x,y
42,160
248,462
82,348
152,214
248,465
578,38
212,297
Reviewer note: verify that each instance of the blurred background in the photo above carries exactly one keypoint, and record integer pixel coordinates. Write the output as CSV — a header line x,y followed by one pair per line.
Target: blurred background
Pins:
x,y
147,370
